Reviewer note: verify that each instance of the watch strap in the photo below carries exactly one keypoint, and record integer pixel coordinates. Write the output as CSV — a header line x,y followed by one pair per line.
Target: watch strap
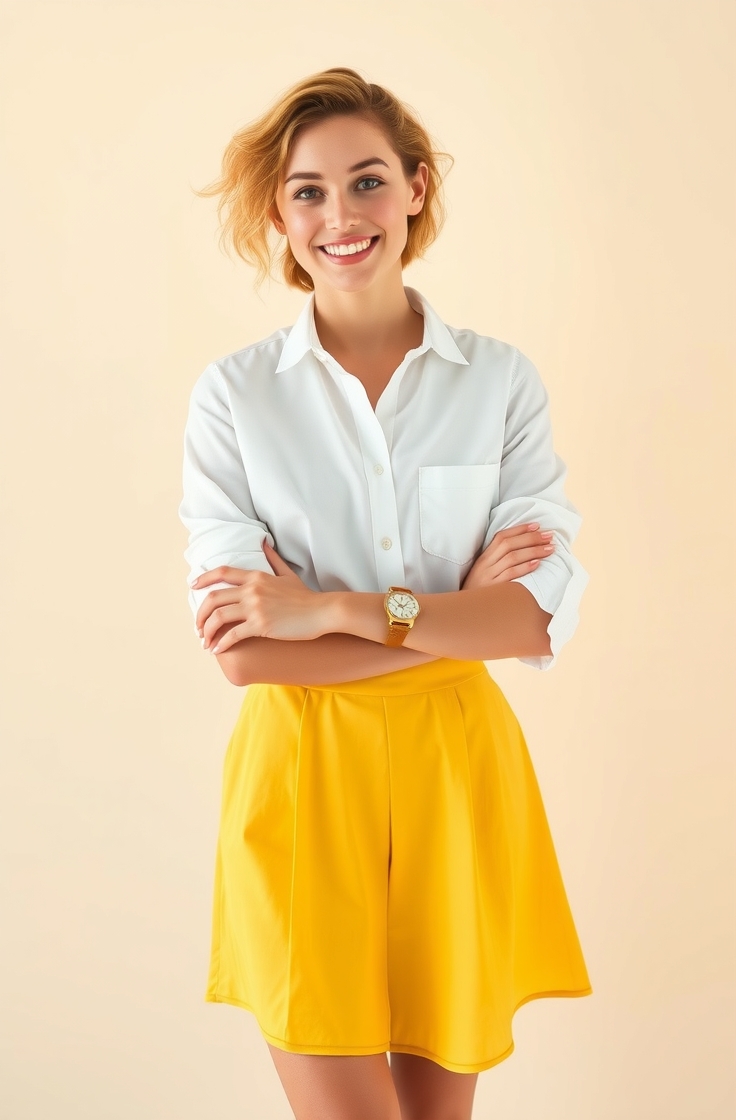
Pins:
x,y
397,631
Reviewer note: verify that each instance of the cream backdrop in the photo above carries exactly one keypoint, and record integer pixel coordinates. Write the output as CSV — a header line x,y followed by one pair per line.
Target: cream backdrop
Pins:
x,y
591,224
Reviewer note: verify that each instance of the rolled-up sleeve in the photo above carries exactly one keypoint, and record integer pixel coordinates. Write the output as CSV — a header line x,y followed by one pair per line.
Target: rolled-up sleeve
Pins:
x,y
217,508
531,488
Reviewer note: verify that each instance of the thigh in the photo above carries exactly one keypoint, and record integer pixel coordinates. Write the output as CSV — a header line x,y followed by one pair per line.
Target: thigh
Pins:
x,y
428,1091
335,1086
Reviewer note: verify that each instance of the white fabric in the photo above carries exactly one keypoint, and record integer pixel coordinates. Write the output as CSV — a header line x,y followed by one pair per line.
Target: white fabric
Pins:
x,y
281,442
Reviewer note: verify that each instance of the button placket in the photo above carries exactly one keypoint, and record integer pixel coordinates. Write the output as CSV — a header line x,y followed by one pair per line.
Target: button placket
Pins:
x,y
381,491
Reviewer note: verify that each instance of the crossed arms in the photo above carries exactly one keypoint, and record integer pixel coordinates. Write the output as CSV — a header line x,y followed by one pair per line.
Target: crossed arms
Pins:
x,y
273,629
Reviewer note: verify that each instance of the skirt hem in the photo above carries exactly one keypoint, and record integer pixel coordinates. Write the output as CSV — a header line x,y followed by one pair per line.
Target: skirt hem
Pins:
x,y
398,1047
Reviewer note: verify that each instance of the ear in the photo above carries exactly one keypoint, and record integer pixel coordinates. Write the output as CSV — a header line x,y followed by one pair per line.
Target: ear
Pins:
x,y
275,217
418,188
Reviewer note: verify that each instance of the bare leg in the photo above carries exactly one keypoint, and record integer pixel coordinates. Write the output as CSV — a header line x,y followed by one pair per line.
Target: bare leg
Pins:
x,y
428,1091
337,1086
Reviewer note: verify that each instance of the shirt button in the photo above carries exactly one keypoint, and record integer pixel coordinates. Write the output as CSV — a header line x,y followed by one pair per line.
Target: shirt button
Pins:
x,y
386,543
378,468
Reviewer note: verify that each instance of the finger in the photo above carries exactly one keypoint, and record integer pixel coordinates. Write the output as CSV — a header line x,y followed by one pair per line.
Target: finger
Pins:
x,y
218,598
280,567
220,617
520,555
505,541
522,547
524,540
220,635
486,579
230,638
495,569
513,530
520,570
223,574
511,560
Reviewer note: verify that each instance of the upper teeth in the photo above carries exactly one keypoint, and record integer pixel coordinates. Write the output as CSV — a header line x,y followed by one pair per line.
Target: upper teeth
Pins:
x,y
343,250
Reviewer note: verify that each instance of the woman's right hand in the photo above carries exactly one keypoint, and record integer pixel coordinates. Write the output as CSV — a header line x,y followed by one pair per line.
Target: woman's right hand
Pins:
x,y
512,552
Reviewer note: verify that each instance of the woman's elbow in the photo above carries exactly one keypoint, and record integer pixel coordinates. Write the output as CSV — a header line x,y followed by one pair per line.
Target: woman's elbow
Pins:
x,y
232,666
531,624
545,642
231,672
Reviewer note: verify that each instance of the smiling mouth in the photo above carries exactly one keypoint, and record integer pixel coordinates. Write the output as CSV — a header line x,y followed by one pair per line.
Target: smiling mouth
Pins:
x,y
351,251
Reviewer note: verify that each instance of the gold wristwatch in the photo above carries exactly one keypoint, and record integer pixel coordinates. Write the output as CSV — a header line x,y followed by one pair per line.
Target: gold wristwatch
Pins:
x,y
402,609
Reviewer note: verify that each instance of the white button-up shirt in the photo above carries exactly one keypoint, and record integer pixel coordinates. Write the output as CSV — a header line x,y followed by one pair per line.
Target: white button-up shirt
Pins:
x,y
281,442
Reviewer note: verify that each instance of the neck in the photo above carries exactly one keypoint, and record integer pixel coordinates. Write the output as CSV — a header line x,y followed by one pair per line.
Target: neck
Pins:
x,y
366,321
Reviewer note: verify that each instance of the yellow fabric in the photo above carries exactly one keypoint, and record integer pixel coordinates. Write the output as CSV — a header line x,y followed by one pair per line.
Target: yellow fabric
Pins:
x,y
385,875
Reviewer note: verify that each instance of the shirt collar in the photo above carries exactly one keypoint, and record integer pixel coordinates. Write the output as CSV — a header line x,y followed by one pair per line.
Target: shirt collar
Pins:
x,y
303,335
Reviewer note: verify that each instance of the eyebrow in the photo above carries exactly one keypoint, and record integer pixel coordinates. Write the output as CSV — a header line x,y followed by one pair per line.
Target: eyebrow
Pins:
x,y
355,167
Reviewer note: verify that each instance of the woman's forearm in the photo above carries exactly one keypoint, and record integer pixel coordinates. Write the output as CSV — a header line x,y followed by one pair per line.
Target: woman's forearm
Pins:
x,y
484,623
330,659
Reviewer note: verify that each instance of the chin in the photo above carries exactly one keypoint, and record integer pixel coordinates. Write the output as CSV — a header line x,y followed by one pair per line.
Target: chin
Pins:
x,y
344,283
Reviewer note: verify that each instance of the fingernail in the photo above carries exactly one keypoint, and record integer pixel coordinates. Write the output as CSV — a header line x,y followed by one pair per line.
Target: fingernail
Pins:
x,y
546,533
533,525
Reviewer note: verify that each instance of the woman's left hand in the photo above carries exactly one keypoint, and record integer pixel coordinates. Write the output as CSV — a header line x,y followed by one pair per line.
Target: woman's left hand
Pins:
x,y
259,605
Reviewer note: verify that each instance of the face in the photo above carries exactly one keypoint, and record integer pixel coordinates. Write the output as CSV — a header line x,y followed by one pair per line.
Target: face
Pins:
x,y
343,187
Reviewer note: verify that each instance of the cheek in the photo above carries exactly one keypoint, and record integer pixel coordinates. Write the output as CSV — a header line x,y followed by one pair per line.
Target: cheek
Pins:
x,y
299,229
392,216
300,237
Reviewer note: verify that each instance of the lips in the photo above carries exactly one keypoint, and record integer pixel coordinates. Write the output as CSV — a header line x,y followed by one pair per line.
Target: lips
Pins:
x,y
347,254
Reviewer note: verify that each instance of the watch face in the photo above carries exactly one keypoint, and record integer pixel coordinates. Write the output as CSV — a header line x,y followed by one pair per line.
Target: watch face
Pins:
x,y
402,605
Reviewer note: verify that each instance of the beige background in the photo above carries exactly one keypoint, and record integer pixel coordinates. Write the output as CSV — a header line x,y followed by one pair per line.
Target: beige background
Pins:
x,y
591,224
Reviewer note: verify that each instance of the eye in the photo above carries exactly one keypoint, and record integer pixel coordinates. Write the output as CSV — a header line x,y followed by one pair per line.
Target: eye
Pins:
x,y
301,194
370,179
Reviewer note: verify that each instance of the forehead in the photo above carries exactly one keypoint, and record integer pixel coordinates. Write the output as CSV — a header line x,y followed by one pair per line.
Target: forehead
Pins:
x,y
336,143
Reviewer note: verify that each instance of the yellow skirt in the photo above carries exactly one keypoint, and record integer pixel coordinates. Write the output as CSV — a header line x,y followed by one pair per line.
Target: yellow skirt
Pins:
x,y
385,875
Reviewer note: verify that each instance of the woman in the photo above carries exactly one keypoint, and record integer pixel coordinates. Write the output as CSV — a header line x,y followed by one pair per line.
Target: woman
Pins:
x,y
374,510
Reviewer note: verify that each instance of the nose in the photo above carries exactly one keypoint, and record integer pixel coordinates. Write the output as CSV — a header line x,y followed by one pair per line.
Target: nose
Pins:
x,y
340,213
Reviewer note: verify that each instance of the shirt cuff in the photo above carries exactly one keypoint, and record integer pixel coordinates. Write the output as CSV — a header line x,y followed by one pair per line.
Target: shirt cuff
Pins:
x,y
557,584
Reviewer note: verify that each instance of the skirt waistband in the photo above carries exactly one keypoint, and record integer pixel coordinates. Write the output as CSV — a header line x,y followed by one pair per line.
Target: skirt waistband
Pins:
x,y
444,672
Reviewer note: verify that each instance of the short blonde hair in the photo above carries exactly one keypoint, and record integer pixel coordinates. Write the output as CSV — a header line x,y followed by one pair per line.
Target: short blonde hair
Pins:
x,y
255,157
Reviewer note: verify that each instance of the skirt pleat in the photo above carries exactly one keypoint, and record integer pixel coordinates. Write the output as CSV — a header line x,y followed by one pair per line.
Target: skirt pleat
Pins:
x,y
385,875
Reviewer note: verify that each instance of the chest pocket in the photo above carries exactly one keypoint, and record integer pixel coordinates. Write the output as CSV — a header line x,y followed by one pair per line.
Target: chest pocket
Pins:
x,y
454,507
